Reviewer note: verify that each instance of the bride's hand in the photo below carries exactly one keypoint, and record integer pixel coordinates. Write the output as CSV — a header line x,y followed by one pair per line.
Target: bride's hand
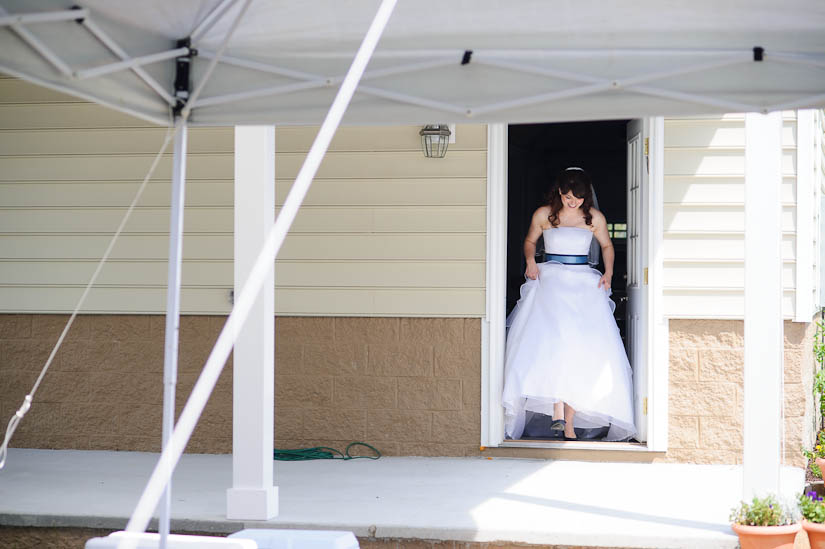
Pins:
x,y
532,271
605,281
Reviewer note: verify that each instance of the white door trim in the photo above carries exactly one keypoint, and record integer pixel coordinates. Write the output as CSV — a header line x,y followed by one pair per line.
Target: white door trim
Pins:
x,y
492,334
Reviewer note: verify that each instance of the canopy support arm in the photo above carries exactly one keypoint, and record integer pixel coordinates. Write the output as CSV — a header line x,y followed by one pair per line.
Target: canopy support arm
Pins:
x,y
107,41
34,42
223,346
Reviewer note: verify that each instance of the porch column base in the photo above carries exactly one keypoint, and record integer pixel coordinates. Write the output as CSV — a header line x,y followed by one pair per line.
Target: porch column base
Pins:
x,y
252,503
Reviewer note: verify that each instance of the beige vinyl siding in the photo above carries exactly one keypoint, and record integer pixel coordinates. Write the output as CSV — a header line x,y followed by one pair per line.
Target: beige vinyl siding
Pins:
x,y
383,232
704,213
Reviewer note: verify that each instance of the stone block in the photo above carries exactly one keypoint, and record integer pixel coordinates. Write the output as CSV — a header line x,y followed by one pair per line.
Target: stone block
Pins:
x,y
289,423
289,358
90,418
64,387
400,360
703,333
434,331
718,433
367,330
49,327
795,433
434,449
199,329
303,329
335,424
471,395
86,356
334,358
16,384
703,399
705,456
796,399
457,427
415,393
365,392
683,364
139,356
683,432
24,354
792,365
192,355
139,419
303,391
44,419
15,326
399,425
472,332
121,327
462,362
795,333
721,365
125,388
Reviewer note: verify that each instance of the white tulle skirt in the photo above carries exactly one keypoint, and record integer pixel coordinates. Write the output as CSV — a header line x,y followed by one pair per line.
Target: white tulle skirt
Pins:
x,y
563,345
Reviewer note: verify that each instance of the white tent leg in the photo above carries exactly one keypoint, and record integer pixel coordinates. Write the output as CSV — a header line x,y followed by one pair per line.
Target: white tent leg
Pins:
x,y
263,263
253,496
763,304
170,352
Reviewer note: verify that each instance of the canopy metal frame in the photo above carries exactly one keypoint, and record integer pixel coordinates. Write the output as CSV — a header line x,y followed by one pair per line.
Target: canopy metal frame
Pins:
x,y
516,61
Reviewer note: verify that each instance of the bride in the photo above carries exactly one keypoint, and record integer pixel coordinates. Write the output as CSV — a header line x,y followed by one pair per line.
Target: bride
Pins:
x,y
564,356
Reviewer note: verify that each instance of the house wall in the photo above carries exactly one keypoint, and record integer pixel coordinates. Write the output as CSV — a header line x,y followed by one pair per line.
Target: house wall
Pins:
x,y
703,246
384,231
387,242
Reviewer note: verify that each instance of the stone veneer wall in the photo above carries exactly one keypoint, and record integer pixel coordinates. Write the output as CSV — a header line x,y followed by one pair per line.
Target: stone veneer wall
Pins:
x,y
409,386
706,391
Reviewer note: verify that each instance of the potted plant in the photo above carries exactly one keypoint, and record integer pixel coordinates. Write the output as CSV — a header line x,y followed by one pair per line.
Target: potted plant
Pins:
x,y
813,515
764,524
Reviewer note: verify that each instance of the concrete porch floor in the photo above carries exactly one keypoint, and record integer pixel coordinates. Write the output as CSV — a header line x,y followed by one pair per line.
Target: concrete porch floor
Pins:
x,y
464,499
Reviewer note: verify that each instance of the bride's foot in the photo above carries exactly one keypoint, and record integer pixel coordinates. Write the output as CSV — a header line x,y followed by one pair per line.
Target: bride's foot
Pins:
x,y
570,434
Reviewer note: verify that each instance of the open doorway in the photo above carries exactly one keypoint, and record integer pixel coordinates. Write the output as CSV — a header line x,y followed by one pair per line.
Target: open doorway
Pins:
x,y
536,154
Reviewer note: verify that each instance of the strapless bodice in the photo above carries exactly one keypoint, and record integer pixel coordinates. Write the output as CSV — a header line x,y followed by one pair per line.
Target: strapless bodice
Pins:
x,y
567,240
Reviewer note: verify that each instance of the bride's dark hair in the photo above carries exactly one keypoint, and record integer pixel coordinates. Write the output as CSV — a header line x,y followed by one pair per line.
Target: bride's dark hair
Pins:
x,y
571,179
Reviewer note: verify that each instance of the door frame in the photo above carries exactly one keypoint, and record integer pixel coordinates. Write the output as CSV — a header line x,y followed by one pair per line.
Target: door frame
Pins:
x,y
492,325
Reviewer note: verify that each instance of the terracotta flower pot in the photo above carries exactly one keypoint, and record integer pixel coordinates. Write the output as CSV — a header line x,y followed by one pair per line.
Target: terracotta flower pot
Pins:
x,y
766,537
820,462
816,534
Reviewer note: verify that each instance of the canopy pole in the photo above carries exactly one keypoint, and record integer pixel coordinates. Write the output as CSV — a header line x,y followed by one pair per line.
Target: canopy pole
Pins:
x,y
263,264
170,353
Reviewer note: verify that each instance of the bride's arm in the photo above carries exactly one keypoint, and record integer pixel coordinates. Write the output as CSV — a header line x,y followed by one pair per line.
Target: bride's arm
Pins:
x,y
533,235
608,253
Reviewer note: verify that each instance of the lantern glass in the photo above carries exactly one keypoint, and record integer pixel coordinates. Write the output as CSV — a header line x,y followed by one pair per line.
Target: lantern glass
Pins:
x,y
434,140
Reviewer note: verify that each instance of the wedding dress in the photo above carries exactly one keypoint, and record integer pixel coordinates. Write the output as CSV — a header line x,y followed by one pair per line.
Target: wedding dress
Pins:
x,y
563,345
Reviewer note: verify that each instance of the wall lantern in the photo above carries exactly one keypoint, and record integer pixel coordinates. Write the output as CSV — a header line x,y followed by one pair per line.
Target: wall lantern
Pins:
x,y
434,140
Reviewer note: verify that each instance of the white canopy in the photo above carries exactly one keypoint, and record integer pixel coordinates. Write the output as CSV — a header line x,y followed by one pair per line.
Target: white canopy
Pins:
x,y
530,61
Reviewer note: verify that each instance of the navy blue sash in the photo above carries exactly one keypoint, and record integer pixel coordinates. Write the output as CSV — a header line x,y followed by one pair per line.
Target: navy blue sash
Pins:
x,y
567,259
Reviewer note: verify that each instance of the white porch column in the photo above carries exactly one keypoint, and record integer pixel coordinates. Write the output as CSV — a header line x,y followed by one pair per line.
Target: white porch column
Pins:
x,y
253,496
763,304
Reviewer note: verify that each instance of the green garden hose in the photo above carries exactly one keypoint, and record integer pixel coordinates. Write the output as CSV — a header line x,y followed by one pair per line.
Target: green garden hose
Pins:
x,y
323,452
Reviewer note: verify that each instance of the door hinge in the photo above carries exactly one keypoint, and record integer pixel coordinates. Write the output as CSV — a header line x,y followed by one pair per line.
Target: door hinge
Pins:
x,y
645,276
647,146
644,406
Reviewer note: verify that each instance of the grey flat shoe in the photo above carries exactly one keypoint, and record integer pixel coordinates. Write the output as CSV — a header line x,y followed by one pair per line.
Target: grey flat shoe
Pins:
x,y
557,425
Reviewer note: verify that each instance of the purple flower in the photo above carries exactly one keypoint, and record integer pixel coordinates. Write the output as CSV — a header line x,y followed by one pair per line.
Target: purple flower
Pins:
x,y
811,494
